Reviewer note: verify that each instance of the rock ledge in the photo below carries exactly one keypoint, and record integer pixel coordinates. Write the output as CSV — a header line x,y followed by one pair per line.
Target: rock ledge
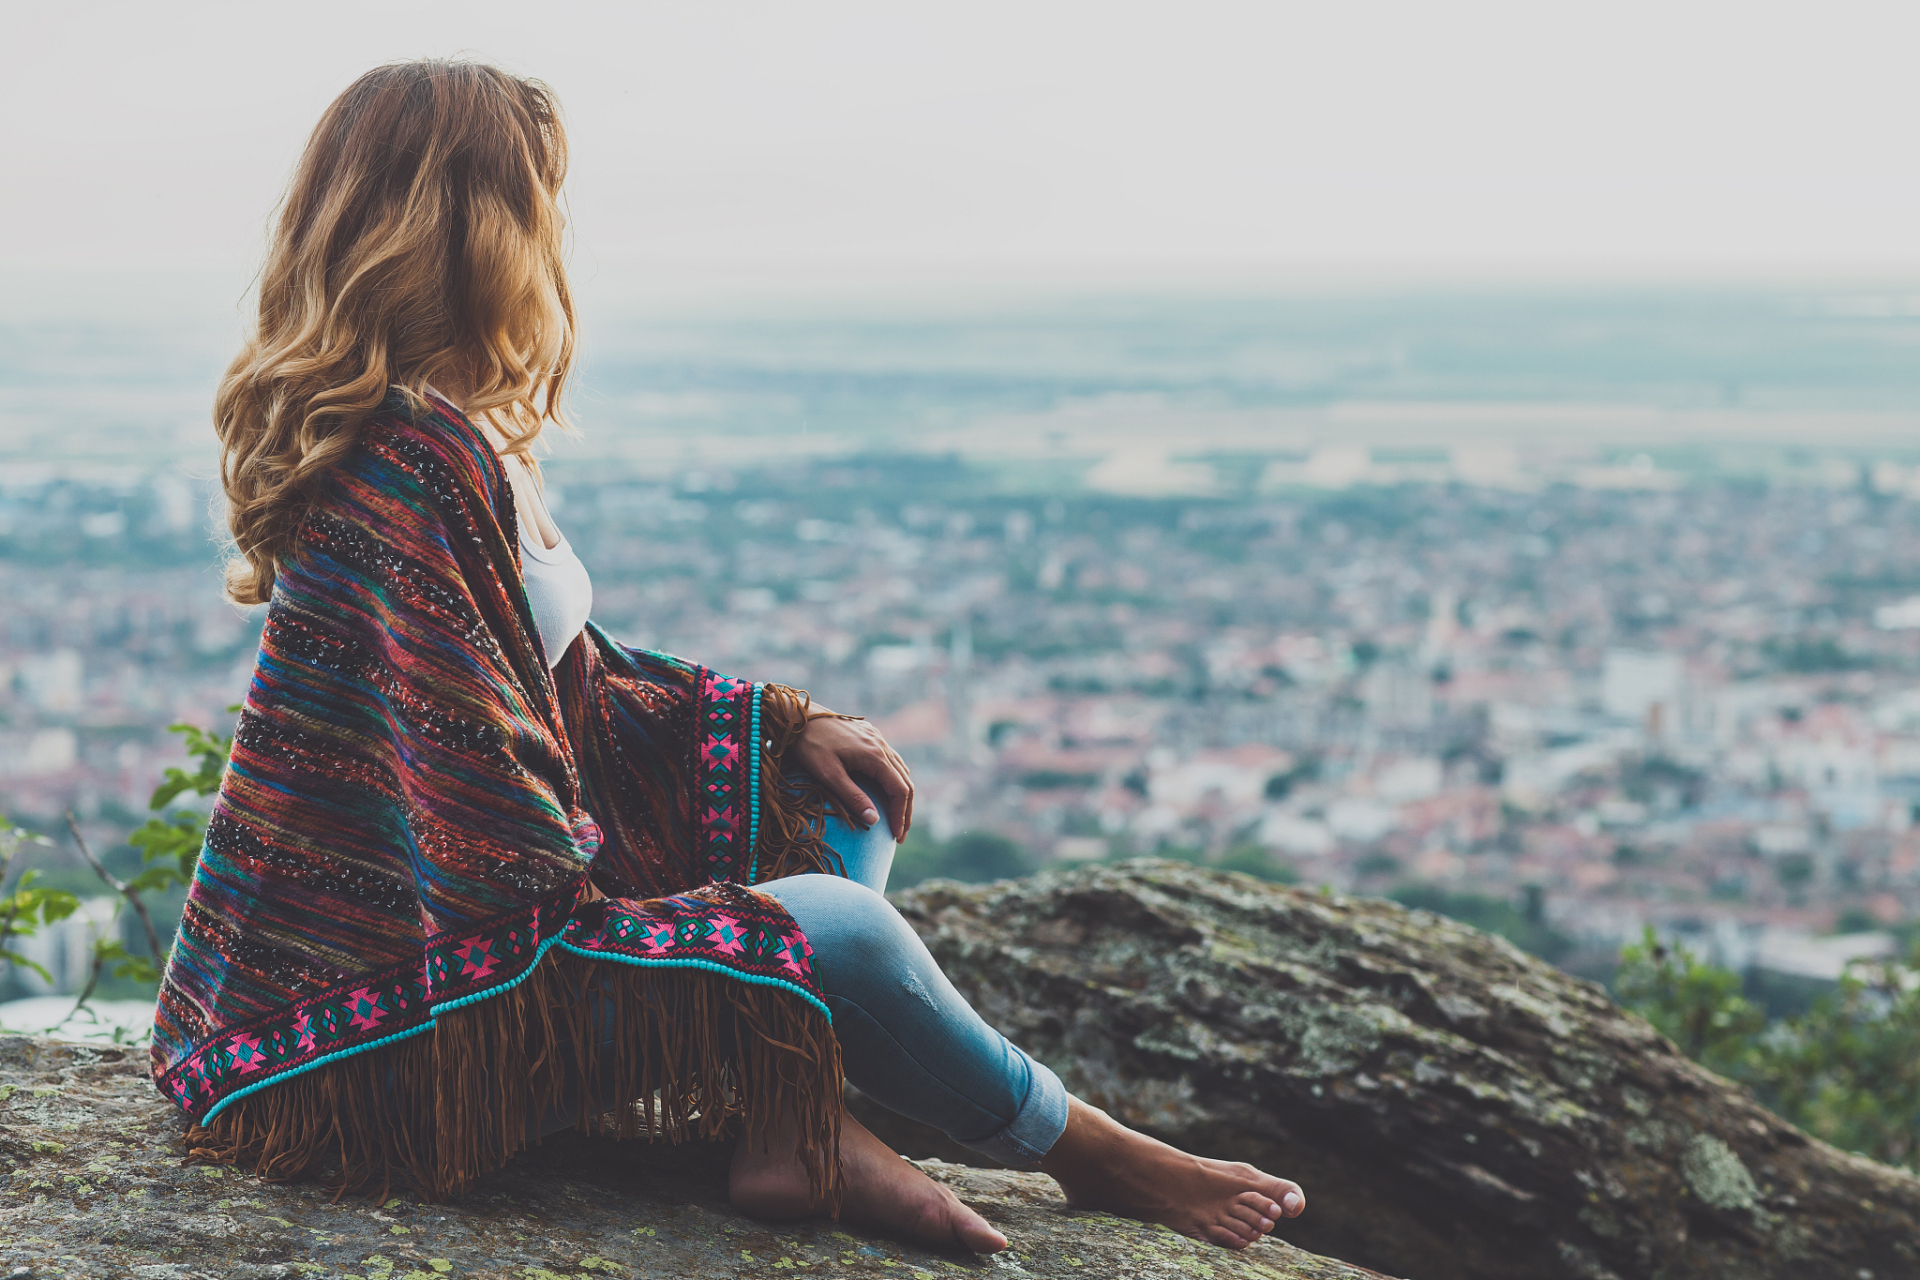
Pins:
x,y
96,1186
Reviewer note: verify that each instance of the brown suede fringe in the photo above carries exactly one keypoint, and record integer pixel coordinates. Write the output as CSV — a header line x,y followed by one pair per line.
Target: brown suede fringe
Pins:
x,y
689,1054
792,818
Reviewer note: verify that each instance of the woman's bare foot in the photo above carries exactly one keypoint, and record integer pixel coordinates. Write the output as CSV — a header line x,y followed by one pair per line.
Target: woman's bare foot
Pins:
x,y
882,1190
1102,1164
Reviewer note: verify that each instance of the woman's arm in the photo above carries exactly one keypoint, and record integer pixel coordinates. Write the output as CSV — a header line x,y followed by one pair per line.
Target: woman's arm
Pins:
x,y
834,747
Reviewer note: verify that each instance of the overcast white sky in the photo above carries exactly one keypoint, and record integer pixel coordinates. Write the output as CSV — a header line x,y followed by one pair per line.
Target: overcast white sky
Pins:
x,y
889,140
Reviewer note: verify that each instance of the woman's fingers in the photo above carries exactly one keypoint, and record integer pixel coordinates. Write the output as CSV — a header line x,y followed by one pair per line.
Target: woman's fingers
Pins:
x,y
898,787
835,750
887,770
906,809
856,804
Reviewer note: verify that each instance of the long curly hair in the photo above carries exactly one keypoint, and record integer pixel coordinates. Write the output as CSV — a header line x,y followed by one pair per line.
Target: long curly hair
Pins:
x,y
420,241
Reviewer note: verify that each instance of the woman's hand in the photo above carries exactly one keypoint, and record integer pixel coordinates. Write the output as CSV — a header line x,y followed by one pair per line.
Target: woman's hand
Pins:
x,y
832,749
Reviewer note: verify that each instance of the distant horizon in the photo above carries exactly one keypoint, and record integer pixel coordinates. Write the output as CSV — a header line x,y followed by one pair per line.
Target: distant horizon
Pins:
x,y
647,288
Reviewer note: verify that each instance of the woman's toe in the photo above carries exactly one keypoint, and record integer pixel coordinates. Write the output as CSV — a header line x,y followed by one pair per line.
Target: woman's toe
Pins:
x,y
974,1231
1252,1219
979,1237
982,1240
1259,1202
1225,1236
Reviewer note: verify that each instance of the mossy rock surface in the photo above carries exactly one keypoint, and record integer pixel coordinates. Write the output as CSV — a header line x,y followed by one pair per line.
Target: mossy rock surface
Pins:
x,y
95,1185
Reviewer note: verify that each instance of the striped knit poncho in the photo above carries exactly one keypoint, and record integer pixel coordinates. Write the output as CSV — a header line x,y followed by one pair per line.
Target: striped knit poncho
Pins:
x,y
387,967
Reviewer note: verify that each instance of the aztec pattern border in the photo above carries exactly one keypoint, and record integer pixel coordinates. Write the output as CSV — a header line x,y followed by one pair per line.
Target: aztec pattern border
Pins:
x,y
740,939
726,727
743,940
457,968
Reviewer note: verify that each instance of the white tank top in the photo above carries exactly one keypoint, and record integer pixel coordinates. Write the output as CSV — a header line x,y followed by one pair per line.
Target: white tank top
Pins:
x,y
558,589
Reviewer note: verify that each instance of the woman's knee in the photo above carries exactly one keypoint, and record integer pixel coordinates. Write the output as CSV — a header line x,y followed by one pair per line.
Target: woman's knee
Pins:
x,y
865,857
829,899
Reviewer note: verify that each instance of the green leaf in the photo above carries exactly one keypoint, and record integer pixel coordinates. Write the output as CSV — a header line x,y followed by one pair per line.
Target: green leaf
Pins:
x,y
113,953
27,908
154,879
211,752
176,840
14,957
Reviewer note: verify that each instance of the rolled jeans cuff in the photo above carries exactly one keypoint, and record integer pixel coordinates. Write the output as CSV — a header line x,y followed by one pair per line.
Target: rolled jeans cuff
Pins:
x,y
1041,1120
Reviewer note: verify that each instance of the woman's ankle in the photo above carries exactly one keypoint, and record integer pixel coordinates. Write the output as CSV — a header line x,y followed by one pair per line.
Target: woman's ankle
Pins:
x,y
1090,1135
766,1178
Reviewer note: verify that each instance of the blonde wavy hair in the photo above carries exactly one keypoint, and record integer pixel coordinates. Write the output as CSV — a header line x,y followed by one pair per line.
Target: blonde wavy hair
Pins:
x,y
419,241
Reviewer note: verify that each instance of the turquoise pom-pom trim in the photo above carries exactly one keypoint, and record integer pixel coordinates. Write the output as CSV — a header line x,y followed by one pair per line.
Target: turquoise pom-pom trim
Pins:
x,y
491,992
753,786
709,965
238,1094
475,998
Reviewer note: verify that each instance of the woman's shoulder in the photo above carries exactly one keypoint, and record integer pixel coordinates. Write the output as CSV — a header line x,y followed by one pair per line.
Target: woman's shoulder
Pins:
x,y
418,479
429,438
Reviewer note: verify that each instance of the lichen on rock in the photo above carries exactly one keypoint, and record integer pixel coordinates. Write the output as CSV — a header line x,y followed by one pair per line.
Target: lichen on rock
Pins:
x,y
1716,1175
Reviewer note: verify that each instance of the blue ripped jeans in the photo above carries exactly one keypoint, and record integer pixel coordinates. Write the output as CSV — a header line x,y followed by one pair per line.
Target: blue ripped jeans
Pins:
x,y
907,1038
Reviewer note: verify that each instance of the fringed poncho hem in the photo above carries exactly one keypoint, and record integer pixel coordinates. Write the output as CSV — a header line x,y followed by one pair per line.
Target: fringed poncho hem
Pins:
x,y
385,956
598,1047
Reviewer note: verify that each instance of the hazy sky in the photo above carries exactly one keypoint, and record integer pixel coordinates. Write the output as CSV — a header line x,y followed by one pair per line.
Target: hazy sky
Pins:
x,y
885,139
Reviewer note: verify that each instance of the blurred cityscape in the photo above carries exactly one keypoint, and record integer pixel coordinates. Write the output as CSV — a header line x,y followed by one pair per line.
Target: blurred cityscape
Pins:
x,y
1565,688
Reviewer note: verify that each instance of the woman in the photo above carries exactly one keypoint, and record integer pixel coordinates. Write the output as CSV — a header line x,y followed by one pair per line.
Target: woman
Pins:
x,y
476,872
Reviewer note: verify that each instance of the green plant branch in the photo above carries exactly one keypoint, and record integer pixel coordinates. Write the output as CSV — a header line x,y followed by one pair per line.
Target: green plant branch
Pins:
x,y
93,981
120,887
